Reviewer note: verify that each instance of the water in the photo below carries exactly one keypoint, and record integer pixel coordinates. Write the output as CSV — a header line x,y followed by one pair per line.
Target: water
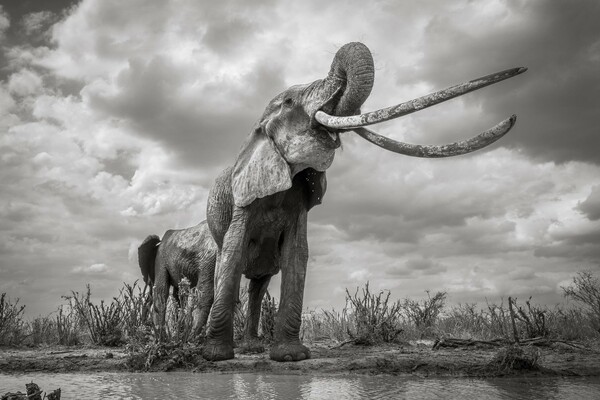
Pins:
x,y
184,385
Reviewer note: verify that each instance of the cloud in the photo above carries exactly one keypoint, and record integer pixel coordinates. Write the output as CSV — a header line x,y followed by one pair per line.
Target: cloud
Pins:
x,y
94,269
4,23
117,116
558,43
37,22
24,83
591,206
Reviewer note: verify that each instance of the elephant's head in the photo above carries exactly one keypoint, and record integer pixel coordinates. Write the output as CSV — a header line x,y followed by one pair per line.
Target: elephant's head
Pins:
x,y
301,127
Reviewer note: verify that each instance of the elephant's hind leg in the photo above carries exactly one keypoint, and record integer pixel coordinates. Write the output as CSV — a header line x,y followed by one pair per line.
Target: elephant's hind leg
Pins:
x,y
160,295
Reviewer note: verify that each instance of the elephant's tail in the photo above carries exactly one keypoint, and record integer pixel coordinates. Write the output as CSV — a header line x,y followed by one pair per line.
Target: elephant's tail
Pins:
x,y
147,256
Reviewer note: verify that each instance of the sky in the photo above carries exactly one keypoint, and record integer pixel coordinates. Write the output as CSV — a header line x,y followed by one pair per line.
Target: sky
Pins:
x,y
117,116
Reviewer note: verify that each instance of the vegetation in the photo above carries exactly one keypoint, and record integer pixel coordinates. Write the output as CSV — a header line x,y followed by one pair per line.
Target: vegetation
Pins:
x,y
368,318
12,326
586,291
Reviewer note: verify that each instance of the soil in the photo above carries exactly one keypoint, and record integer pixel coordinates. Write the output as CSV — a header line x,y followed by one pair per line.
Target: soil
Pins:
x,y
416,358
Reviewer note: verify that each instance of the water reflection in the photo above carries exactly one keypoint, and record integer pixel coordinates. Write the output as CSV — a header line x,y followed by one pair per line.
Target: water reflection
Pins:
x,y
262,386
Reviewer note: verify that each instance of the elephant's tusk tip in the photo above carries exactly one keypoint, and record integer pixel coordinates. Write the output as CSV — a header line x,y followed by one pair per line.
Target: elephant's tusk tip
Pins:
x,y
521,70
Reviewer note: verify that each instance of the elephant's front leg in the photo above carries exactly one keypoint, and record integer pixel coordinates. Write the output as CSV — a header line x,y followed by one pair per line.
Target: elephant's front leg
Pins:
x,y
219,336
294,257
256,292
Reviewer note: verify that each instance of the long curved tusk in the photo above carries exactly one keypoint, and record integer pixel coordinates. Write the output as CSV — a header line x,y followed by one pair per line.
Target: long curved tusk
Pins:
x,y
385,114
447,150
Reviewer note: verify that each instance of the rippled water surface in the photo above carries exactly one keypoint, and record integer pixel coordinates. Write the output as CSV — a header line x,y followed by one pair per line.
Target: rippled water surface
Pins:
x,y
185,385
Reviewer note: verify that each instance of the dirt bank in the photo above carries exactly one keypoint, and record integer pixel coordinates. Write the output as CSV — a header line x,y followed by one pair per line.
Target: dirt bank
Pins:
x,y
413,359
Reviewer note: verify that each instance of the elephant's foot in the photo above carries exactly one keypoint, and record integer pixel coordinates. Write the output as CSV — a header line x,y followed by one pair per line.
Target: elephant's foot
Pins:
x,y
289,352
251,345
214,351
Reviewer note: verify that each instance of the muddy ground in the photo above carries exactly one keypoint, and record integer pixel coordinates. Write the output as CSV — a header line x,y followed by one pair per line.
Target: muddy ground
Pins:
x,y
407,359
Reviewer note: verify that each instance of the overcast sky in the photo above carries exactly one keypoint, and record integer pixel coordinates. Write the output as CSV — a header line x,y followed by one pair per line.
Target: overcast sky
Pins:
x,y
116,116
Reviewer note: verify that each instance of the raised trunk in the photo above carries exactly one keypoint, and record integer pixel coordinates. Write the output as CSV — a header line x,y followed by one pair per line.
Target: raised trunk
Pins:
x,y
348,83
352,69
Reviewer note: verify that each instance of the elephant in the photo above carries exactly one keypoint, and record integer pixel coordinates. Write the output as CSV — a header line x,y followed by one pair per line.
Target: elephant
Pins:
x,y
183,253
257,208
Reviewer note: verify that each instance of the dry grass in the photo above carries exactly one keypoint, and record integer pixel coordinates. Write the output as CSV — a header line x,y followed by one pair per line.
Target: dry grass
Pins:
x,y
367,318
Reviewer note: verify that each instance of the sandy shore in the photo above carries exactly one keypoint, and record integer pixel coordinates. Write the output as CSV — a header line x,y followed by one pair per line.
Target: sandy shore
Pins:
x,y
415,359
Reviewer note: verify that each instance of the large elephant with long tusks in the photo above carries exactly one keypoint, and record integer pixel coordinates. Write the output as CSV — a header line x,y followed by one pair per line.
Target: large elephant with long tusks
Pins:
x,y
257,209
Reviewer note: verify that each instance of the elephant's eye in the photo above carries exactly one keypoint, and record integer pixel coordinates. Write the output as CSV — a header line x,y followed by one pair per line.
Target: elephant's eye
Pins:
x,y
288,102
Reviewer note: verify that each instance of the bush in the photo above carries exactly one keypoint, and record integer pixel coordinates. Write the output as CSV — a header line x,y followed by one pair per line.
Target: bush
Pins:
x,y
179,319
136,310
465,321
374,319
533,320
12,326
67,325
103,322
586,291
43,330
268,311
332,325
516,358
424,314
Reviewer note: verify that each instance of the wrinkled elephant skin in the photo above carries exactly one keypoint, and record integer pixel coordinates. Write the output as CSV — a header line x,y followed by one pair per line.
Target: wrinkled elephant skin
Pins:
x,y
184,253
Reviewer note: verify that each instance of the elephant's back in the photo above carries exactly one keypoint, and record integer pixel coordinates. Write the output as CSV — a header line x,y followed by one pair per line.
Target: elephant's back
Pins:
x,y
184,251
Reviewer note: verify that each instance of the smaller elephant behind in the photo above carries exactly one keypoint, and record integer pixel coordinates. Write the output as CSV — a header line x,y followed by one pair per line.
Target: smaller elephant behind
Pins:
x,y
182,253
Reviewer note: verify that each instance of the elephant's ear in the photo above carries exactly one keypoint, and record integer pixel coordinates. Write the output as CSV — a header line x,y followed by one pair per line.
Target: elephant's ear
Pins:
x,y
259,170
316,185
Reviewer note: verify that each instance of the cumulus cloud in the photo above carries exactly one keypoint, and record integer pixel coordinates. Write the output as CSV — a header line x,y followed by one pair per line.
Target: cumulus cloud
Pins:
x,y
94,269
117,116
24,82
591,205
4,23
37,22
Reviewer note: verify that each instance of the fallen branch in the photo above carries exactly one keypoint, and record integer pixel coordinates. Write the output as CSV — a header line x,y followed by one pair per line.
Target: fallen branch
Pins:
x,y
337,346
451,342
538,341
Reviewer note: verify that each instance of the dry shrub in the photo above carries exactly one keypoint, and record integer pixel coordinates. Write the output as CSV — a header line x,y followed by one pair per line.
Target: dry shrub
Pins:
x,y
136,310
374,318
572,324
43,330
67,323
465,321
586,291
425,313
103,322
533,320
516,358
268,311
13,329
325,325
179,321
177,344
